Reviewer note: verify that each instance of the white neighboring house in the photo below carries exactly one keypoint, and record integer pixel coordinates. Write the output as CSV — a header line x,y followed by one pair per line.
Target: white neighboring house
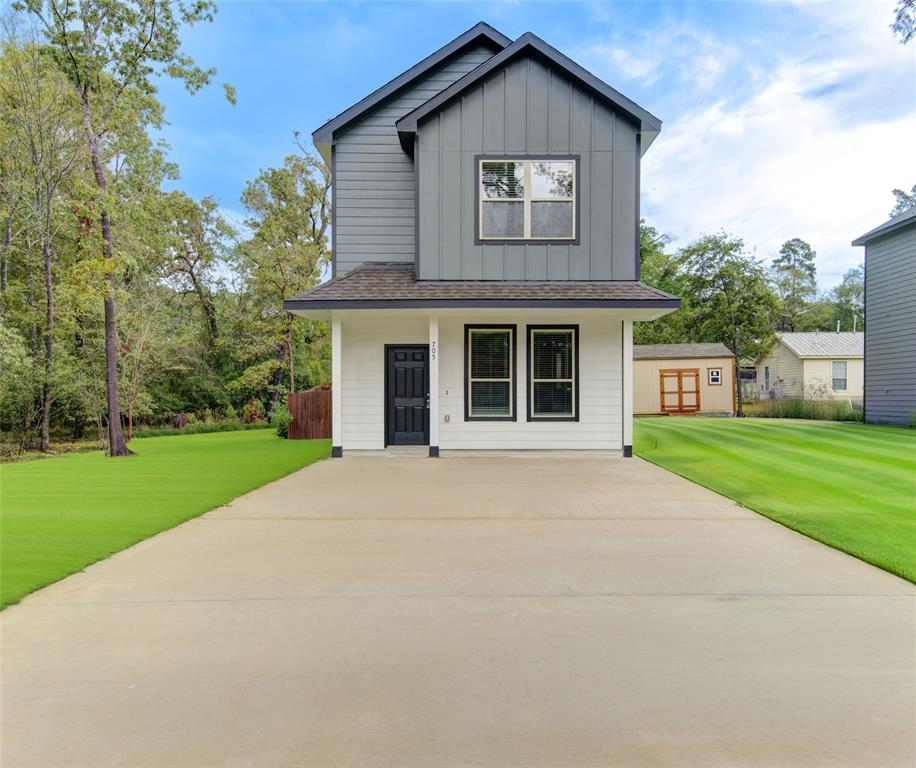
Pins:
x,y
814,366
485,254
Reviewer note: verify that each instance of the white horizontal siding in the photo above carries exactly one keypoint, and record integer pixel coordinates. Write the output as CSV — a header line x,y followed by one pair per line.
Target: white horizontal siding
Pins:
x,y
364,338
365,335
819,378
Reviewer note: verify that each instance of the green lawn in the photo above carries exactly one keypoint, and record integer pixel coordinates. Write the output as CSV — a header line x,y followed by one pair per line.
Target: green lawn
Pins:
x,y
59,515
851,486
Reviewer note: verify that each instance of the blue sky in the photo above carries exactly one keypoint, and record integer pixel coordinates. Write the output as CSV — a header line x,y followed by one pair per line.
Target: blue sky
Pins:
x,y
781,119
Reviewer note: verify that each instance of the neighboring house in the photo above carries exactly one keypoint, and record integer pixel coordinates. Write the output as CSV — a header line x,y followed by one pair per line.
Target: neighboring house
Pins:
x,y
486,254
814,366
683,378
890,320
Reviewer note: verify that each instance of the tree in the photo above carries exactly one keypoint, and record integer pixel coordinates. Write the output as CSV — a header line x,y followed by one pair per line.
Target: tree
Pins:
x,y
732,301
903,200
111,51
795,276
849,297
39,116
904,25
289,214
661,270
197,240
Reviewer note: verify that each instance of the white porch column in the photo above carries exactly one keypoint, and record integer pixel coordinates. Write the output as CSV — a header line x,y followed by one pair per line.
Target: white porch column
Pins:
x,y
336,387
627,387
433,385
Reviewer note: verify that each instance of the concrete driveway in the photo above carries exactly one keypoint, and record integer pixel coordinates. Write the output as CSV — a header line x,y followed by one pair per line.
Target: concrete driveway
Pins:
x,y
499,611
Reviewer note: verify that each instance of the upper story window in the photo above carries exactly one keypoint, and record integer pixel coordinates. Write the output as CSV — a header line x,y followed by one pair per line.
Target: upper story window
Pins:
x,y
839,375
527,199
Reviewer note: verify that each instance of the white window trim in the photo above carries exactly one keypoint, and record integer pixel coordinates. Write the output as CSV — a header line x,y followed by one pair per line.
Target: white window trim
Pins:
x,y
471,378
834,377
572,379
527,200
709,375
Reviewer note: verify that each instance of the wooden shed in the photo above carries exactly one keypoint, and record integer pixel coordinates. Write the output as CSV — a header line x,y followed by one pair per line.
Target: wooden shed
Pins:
x,y
683,379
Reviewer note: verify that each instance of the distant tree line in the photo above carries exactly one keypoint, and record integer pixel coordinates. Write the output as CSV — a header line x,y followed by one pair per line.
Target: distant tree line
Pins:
x,y
121,303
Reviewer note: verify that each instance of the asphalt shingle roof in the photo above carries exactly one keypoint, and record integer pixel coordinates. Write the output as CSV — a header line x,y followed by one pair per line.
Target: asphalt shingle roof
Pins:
x,y
901,220
673,351
380,285
824,343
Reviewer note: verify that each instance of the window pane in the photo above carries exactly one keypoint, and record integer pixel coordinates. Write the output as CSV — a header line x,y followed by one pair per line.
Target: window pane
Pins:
x,y
553,399
502,178
503,219
839,375
552,355
489,354
551,219
490,398
552,179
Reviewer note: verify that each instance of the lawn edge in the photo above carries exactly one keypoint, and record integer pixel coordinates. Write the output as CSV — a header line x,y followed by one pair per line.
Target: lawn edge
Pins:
x,y
5,605
839,548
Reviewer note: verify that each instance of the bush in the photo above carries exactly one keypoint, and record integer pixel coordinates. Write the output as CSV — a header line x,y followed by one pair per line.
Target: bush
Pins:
x,y
199,428
280,419
821,410
253,411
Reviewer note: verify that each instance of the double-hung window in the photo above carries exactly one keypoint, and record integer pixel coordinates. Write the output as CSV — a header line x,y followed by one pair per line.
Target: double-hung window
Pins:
x,y
839,375
489,372
527,200
715,376
553,373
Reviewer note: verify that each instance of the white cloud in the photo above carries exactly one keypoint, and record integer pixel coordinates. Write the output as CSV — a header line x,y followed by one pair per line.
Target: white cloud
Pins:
x,y
808,151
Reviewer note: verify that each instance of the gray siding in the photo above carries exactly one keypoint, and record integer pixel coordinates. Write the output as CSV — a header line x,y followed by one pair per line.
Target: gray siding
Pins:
x,y
374,194
890,327
528,108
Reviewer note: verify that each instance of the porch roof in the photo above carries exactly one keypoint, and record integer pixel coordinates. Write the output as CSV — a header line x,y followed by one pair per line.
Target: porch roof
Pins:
x,y
391,286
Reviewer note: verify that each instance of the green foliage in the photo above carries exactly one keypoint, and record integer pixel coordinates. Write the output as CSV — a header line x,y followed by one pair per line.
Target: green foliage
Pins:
x,y
903,200
904,25
200,427
795,278
253,411
820,410
280,418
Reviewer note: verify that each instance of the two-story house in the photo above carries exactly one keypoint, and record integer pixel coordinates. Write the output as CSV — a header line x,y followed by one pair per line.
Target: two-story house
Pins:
x,y
485,254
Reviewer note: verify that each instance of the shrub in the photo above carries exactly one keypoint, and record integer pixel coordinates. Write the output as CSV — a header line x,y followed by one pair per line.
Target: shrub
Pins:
x,y
252,411
280,419
822,410
231,414
178,421
199,428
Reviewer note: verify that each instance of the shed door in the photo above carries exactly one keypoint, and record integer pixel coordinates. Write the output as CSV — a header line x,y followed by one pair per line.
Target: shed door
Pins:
x,y
407,386
679,390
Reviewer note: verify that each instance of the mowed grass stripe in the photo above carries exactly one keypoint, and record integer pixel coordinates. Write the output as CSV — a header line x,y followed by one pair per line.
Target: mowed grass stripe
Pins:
x,y
851,486
61,514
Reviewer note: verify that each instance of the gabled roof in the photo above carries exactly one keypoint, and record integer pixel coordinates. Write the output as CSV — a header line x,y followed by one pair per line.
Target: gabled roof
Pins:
x,y
479,33
530,43
899,221
378,285
824,343
679,351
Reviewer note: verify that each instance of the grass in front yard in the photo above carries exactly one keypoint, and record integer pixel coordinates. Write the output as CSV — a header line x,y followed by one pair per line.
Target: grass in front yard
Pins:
x,y
852,486
59,515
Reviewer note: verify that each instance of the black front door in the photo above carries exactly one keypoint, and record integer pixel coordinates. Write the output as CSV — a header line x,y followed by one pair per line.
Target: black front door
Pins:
x,y
407,396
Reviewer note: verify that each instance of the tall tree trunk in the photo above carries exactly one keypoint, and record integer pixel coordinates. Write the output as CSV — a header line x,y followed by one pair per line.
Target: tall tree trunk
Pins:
x,y
117,446
5,257
276,378
45,441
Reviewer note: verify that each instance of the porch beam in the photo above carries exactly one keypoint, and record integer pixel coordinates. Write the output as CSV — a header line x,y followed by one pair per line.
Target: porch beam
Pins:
x,y
336,387
433,385
627,386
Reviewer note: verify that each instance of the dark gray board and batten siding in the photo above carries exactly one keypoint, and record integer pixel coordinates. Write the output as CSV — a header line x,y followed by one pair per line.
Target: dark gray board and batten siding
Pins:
x,y
528,108
890,327
375,190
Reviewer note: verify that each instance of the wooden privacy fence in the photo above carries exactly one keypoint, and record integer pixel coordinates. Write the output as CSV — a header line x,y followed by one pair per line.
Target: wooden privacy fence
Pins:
x,y
311,413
